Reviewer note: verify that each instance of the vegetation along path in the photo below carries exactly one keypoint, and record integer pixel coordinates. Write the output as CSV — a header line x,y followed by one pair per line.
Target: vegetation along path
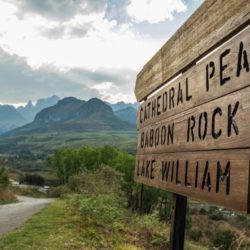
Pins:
x,y
13,215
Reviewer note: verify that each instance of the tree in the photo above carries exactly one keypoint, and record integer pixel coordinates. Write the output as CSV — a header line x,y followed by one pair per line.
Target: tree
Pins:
x,y
4,178
65,163
89,158
32,179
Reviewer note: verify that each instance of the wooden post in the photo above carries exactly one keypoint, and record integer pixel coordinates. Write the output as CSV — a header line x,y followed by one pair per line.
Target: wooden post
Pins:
x,y
177,233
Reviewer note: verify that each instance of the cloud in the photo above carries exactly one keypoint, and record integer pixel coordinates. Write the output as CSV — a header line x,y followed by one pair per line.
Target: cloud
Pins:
x,y
61,10
110,92
85,41
70,47
104,86
154,11
19,83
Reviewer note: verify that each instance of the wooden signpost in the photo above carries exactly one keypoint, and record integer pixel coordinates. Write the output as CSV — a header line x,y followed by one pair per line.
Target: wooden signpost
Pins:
x,y
194,117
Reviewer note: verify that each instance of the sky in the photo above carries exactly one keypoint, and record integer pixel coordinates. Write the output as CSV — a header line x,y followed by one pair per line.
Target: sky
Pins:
x,y
82,48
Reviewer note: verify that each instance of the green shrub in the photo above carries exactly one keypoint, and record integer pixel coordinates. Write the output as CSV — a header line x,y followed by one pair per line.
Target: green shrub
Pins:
x,y
104,181
100,209
216,216
195,234
32,179
32,192
241,217
59,192
4,178
223,239
203,211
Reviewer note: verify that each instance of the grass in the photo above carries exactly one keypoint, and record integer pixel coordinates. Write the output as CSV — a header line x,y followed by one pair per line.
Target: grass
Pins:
x,y
7,197
125,140
56,227
31,192
49,229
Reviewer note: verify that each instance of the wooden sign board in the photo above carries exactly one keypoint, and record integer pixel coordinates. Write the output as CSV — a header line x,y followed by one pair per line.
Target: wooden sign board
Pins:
x,y
194,132
219,177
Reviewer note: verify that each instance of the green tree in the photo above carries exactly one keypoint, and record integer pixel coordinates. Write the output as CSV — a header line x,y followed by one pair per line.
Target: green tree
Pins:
x,y
4,178
89,157
65,163
125,163
107,154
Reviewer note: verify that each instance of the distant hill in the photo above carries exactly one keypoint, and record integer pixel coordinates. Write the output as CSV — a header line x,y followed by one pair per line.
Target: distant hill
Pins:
x,y
10,118
128,114
72,114
29,111
122,105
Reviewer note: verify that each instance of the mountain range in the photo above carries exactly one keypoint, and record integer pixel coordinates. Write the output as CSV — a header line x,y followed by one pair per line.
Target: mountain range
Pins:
x,y
72,114
10,118
29,111
122,105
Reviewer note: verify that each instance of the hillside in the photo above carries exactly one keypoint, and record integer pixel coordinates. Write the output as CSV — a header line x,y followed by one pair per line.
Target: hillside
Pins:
x,y
122,105
29,111
10,118
128,114
72,114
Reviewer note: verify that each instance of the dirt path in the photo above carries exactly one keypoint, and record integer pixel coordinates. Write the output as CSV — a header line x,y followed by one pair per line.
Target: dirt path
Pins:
x,y
13,215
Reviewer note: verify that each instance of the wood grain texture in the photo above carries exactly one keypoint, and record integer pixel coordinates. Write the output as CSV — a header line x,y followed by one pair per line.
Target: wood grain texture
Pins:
x,y
203,82
219,124
224,183
208,27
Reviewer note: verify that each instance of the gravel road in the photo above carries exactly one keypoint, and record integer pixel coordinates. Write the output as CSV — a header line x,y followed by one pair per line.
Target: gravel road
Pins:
x,y
14,215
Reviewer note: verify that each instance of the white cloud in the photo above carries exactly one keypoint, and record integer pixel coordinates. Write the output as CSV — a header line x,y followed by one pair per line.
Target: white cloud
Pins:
x,y
104,44
43,36
154,11
128,98
104,86
110,92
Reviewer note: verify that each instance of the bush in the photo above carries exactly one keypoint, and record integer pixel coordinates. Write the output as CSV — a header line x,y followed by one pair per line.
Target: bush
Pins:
x,y
216,216
100,209
6,196
203,211
28,191
4,178
59,192
195,234
32,179
104,181
223,239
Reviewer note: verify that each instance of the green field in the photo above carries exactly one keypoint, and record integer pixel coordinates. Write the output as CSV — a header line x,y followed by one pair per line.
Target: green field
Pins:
x,y
42,143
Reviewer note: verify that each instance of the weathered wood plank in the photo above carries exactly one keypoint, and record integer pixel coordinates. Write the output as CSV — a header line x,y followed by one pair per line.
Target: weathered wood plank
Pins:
x,y
219,124
218,177
204,82
208,27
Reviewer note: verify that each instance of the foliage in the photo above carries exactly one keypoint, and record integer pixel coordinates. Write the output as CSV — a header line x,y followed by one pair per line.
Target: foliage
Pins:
x,y
59,192
223,239
32,179
58,228
65,163
4,178
102,209
104,181
28,191
216,216
195,234
6,197
72,165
